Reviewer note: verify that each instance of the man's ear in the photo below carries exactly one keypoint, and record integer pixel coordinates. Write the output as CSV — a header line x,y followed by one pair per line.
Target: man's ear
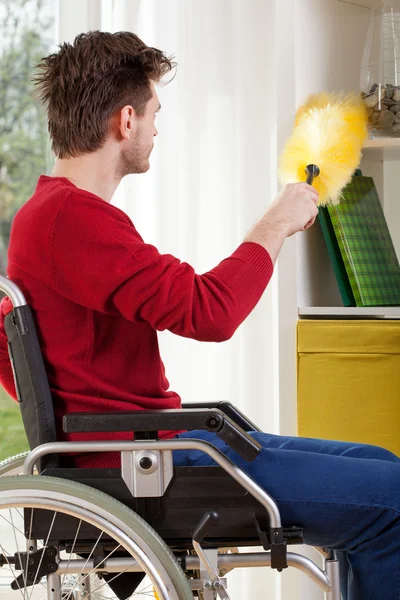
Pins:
x,y
127,122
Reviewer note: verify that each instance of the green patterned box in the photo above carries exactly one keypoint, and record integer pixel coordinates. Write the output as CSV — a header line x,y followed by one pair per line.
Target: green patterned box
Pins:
x,y
336,257
365,244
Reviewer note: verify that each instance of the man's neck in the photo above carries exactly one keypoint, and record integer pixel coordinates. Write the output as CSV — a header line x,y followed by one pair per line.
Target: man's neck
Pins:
x,y
91,172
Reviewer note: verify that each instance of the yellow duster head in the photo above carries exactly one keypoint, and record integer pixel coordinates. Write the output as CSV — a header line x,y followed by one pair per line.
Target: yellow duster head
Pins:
x,y
329,132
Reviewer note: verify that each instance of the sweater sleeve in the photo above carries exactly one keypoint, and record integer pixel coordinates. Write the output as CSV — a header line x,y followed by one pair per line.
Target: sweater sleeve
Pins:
x,y
99,260
6,374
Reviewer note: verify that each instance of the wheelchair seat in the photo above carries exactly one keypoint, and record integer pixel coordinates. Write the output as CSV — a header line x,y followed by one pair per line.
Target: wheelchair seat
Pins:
x,y
193,491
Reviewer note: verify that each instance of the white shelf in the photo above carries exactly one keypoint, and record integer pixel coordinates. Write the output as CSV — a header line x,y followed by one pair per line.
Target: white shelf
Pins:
x,y
363,3
381,149
382,143
355,312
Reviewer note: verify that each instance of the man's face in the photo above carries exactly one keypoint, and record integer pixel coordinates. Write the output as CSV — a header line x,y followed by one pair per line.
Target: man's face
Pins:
x,y
136,152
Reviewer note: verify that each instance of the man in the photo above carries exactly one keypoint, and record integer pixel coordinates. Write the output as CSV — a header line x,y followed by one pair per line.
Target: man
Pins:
x,y
100,293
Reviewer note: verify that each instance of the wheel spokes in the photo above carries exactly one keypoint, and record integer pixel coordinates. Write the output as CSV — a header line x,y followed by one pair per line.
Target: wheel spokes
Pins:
x,y
20,532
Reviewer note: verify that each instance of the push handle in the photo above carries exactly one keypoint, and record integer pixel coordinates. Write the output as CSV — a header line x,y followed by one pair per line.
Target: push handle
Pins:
x,y
312,172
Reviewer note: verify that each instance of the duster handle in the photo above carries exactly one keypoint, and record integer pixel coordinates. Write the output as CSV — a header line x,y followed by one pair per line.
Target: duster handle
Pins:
x,y
312,172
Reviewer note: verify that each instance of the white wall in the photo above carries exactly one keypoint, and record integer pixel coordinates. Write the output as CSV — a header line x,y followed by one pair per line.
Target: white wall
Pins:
x,y
330,37
321,44
212,176
77,16
390,195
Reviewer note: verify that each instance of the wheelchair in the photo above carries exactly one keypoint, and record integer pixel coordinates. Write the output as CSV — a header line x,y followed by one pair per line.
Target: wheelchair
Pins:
x,y
148,529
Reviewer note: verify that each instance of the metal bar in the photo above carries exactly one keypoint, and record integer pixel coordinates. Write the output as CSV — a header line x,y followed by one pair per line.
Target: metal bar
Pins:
x,y
12,291
230,561
309,568
53,586
187,444
206,567
83,589
111,565
332,571
263,559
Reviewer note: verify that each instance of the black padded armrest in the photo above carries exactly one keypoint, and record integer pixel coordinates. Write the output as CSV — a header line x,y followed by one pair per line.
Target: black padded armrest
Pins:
x,y
169,419
228,409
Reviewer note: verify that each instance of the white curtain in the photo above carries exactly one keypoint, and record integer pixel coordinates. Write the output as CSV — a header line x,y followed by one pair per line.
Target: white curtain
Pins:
x,y
213,173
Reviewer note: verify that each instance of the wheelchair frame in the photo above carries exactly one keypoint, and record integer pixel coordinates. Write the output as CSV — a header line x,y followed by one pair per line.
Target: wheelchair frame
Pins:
x,y
147,470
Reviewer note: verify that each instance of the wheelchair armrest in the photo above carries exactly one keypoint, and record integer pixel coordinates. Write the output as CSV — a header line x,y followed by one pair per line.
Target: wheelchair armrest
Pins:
x,y
168,419
228,409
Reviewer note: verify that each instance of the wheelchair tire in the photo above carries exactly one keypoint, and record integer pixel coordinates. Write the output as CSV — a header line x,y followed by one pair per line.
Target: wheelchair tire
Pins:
x,y
13,465
108,515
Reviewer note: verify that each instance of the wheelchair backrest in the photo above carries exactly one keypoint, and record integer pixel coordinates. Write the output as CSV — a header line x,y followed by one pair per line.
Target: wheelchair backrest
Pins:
x,y
31,381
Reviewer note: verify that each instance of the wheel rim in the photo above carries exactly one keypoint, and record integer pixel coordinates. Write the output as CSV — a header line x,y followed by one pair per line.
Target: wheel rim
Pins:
x,y
13,466
111,526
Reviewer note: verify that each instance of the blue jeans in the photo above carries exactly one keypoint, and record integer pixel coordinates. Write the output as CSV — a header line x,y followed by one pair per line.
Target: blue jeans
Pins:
x,y
346,496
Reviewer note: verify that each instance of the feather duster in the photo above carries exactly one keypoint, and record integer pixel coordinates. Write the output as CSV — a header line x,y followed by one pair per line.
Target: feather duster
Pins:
x,y
326,143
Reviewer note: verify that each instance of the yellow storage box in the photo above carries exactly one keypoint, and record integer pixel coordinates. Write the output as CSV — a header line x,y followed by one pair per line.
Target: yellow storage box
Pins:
x,y
348,381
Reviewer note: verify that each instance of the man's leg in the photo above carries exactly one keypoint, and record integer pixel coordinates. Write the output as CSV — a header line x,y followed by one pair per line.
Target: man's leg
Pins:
x,y
321,446
342,501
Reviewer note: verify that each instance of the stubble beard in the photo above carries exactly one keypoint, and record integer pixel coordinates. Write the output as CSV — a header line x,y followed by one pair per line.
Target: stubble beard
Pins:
x,y
135,161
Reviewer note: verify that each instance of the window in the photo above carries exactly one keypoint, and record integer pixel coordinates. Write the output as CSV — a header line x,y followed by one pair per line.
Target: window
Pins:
x,y
27,33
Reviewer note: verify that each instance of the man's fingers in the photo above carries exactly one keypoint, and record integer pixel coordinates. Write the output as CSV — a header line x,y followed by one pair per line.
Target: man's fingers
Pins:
x,y
309,187
310,223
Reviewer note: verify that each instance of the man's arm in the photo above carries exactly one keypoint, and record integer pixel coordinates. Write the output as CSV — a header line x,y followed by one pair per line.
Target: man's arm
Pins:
x,y
99,260
294,209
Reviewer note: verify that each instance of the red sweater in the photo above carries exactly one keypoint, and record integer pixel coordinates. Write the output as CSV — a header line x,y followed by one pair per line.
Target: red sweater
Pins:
x,y
99,294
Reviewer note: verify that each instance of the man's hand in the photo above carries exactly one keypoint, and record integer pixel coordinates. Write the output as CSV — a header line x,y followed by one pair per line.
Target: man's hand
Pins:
x,y
294,209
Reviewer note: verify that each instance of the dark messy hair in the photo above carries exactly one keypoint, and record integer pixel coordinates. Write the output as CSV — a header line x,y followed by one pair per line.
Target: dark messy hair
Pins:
x,y
84,83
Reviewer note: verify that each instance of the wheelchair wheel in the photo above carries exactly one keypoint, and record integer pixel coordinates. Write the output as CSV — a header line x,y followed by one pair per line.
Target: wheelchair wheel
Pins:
x,y
13,465
60,540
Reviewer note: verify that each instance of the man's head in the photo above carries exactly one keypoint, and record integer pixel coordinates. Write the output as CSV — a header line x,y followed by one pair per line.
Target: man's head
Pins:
x,y
101,90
